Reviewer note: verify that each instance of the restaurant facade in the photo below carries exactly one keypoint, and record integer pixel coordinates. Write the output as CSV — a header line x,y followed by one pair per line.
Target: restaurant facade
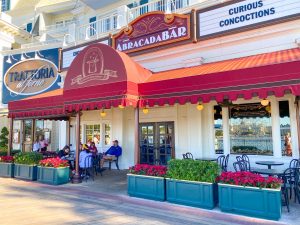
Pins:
x,y
219,80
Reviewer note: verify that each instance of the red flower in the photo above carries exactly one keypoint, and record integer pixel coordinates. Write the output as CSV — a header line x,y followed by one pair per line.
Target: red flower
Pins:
x,y
249,179
54,162
7,159
148,170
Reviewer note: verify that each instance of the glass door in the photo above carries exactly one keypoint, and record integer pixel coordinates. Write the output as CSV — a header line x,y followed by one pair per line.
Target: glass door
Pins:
x,y
28,135
156,142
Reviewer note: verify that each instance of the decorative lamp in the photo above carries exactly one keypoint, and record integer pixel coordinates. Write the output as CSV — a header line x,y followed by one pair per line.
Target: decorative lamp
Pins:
x,y
264,102
200,107
103,113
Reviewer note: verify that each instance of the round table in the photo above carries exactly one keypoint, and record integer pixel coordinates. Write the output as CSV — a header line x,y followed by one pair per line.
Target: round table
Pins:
x,y
269,163
269,172
207,159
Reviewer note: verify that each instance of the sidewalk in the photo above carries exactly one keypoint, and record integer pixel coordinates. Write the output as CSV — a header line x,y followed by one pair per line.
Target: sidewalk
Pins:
x,y
32,203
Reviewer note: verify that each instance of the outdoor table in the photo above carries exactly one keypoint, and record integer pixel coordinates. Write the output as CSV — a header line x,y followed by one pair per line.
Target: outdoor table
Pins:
x,y
269,172
269,163
207,159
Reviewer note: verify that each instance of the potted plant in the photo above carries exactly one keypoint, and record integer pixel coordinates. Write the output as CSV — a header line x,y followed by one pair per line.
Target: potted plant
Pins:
x,y
147,181
6,166
26,165
192,182
53,171
250,194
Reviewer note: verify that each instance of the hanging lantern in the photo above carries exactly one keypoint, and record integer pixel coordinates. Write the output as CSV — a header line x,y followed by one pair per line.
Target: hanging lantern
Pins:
x,y
200,107
264,102
268,109
145,110
103,113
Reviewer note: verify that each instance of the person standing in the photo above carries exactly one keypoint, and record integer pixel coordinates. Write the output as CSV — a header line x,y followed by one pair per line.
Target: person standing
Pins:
x,y
43,143
36,145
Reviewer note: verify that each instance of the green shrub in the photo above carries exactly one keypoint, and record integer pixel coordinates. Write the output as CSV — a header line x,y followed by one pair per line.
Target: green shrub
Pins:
x,y
3,153
4,138
193,170
28,158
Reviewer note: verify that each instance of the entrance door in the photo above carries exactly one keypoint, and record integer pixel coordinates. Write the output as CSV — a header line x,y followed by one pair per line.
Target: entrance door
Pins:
x,y
157,142
28,135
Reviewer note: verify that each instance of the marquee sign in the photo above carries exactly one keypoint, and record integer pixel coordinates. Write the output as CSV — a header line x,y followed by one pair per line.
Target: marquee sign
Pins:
x,y
244,15
152,30
69,54
30,74
30,77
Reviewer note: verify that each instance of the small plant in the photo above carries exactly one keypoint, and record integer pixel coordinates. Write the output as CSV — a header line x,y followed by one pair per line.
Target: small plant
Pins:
x,y
4,138
28,158
248,179
54,162
148,170
6,159
193,170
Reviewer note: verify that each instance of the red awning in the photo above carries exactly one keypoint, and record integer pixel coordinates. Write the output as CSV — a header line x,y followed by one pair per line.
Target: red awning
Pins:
x,y
46,105
261,75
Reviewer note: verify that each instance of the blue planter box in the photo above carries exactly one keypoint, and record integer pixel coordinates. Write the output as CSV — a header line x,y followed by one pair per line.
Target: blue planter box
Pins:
x,y
146,187
262,203
25,172
7,169
54,176
197,194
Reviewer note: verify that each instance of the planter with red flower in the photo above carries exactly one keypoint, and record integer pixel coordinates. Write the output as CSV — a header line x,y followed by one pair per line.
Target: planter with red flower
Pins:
x,y
250,194
147,181
6,166
53,171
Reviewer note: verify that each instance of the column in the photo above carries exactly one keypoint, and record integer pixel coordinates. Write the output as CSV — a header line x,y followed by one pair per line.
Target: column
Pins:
x,y
122,16
275,128
295,126
63,134
136,135
76,177
10,137
226,132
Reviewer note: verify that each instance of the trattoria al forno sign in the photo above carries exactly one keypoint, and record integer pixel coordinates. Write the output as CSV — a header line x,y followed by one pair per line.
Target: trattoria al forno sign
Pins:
x,y
152,30
31,76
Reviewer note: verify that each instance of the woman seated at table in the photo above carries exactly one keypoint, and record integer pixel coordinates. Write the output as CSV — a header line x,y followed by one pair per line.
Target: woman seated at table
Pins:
x,y
93,149
64,152
83,163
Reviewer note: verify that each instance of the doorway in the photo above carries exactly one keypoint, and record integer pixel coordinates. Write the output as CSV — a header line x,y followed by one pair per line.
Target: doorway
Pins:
x,y
157,144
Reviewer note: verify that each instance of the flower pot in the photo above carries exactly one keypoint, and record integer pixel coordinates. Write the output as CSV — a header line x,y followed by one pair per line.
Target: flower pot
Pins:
x,y
54,176
146,187
7,170
26,172
250,201
192,193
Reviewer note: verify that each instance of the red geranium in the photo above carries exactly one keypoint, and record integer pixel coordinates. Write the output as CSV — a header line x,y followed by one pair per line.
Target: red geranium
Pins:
x,y
148,170
7,159
249,179
54,162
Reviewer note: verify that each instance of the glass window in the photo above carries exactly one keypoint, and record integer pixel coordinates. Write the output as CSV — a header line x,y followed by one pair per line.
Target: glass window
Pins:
x,y
218,126
39,128
250,129
92,133
107,139
285,128
5,5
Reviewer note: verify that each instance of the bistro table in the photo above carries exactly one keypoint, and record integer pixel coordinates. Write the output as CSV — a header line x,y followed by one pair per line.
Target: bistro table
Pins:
x,y
269,163
207,159
269,172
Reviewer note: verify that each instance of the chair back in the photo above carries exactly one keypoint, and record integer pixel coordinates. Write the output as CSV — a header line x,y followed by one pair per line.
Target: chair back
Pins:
x,y
289,176
88,162
294,163
184,156
225,164
247,162
221,161
189,155
239,166
239,158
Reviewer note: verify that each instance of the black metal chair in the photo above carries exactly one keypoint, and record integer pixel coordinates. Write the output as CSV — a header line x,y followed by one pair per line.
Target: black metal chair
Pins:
x,y
88,170
295,164
225,166
189,155
289,176
184,156
221,162
116,160
96,164
239,166
239,158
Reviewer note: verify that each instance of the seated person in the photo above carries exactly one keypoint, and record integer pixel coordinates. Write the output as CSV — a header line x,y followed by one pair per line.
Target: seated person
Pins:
x,y
64,152
112,153
36,146
83,163
93,149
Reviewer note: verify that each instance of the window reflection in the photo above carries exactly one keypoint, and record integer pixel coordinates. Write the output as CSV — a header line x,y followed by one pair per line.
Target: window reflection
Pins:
x,y
285,128
251,129
218,125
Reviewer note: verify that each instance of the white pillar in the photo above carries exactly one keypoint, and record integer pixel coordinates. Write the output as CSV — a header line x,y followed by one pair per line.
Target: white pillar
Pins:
x,y
194,130
226,134
293,124
62,141
208,131
275,117
122,16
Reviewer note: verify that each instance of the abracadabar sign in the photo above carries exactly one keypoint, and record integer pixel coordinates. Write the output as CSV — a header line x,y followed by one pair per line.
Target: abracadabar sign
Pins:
x,y
244,15
30,76
69,54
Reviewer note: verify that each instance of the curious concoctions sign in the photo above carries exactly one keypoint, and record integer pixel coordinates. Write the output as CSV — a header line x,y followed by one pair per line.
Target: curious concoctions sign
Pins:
x,y
237,16
36,73
152,30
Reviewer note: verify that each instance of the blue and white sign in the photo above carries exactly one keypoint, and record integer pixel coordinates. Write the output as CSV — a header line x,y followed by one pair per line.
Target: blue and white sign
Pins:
x,y
68,55
29,74
244,14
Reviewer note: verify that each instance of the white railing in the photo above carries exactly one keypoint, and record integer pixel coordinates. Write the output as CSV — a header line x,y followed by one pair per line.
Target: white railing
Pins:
x,y
167,6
